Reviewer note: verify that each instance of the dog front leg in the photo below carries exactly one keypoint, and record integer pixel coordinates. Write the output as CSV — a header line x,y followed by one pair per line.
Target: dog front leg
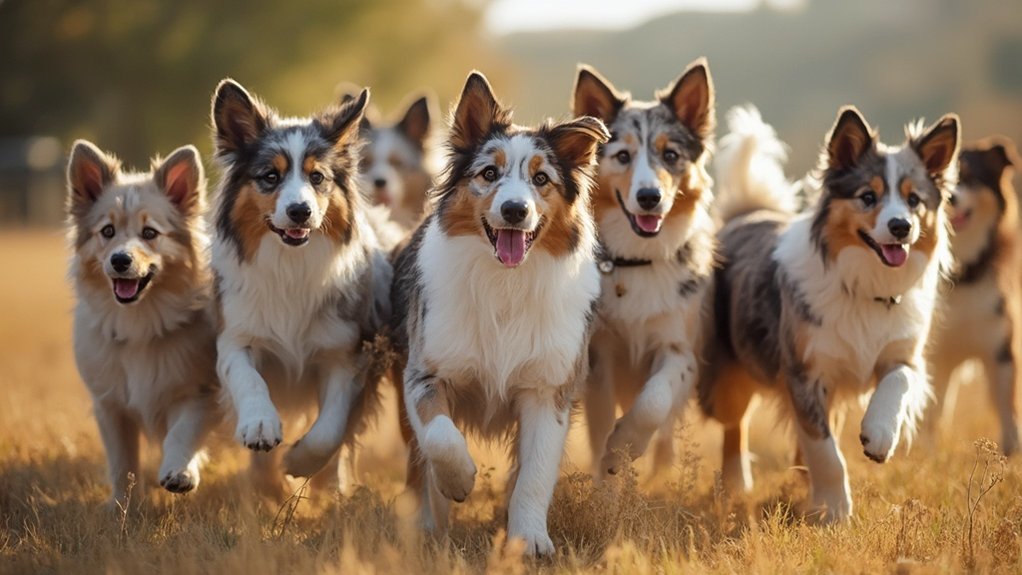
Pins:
x,y
186,427
542,430
888,411
1002,378
120,435
450,471
828,479
259,425
338,394
600,404
669,387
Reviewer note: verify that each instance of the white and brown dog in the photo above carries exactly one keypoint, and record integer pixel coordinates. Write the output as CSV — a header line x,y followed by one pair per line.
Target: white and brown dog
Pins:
x,y
493,301
144,339
982,318
832,303
301,281
657,248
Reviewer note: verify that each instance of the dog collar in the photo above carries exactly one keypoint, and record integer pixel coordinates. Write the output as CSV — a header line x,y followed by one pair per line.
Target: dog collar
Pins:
x,y
889,301
608,264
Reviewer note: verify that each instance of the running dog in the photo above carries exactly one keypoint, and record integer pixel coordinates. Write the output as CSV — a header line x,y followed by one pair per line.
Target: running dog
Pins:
x,y
144,339
657,251
982,318
394,162
301,281
493,302
833,302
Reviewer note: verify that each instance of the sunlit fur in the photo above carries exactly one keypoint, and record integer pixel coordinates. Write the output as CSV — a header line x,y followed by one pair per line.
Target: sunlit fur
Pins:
x,y
294,313
807,305
397,160
148,363
647,343
500,349
981,316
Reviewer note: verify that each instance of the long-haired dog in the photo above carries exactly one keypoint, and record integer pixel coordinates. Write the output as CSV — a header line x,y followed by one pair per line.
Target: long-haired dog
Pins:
x,y
657,248
300,280
493,301
395,161
144,339
982,318
833,302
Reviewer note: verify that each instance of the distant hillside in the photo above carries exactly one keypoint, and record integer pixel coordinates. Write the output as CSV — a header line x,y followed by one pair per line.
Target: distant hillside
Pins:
x,y
895,60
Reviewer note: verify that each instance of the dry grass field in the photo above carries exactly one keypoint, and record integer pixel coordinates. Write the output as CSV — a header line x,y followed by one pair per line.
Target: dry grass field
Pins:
x,y
917,513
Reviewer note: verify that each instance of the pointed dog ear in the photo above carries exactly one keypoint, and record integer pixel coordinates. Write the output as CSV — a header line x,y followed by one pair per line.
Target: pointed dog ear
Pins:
x,y
238,118
181,177
89,171
595,96
692,99
477,113
342,123
849,139
416,121
938,145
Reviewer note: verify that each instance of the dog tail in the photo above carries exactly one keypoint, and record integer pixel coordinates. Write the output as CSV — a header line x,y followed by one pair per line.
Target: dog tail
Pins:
x,y
750,168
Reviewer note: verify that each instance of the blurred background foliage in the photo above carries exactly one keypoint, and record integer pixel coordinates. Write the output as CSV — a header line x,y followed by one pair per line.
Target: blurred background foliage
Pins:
x,y
135,76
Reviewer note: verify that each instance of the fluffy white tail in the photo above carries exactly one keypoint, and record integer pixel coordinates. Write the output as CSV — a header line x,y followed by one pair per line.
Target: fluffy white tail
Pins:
x,y
750,167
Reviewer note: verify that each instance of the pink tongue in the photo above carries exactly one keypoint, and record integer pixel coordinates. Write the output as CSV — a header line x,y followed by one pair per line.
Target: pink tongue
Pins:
x,y
894,254
959,220
510,247
297,233
649,223
126,289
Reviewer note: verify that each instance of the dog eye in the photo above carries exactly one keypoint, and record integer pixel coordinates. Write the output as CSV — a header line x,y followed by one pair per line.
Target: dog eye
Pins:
x,y
913,200
271,177
624,157
490,174
149,233
670,156
107,231
540,179
869,199
316,178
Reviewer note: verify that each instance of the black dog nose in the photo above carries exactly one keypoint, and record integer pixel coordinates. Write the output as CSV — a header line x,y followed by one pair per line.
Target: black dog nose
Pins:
x,y
514,211
899,227
299,213
121,261
648,198
380,182
953,199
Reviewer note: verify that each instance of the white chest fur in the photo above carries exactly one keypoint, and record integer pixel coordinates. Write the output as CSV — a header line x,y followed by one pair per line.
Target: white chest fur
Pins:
x,y
281,301
855,327
503,328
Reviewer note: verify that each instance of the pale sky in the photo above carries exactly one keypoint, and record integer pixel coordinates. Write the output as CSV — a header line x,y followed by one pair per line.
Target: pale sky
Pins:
x,y
506,16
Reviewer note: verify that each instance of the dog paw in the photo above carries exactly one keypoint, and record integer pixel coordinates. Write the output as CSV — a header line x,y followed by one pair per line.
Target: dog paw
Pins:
x,y
179,480
449,461
623,446
304,460
260,431
878,440
831,506
537,542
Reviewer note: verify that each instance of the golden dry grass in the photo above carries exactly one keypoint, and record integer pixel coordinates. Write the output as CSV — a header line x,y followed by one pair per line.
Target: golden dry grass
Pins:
x,y
912,514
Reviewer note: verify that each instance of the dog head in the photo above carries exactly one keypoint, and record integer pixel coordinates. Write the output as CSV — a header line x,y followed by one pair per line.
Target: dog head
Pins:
x,y
652,171
393,160
131,230
886,200
984,193
288,178
516,189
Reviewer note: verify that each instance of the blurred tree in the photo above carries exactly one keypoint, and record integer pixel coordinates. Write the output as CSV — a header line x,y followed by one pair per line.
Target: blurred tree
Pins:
x,y
136,75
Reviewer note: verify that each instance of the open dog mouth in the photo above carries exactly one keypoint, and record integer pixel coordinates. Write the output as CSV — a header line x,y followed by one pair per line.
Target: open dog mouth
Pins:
x,y
646,226
128,290
511,245
893,255
960,219
291,236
